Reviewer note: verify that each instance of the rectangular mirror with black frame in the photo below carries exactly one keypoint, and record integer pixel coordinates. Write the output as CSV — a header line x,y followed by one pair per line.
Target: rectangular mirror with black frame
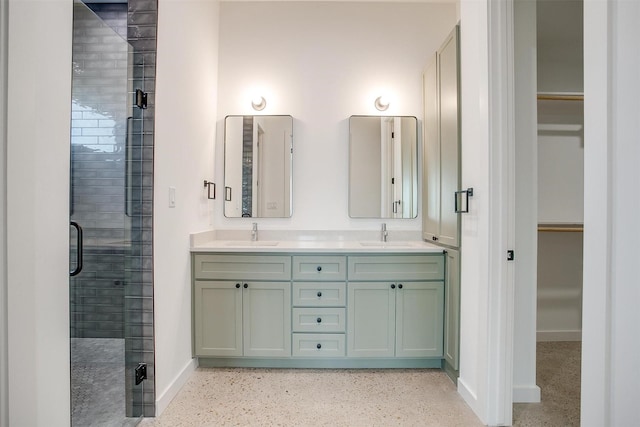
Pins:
x,y
383,167
258,158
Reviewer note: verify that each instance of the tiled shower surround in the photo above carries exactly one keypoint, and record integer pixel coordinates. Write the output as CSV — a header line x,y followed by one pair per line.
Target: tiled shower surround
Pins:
x,y
113,296
247,165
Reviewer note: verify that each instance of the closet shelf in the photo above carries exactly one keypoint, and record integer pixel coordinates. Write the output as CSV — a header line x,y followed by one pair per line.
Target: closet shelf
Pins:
x,y
552,127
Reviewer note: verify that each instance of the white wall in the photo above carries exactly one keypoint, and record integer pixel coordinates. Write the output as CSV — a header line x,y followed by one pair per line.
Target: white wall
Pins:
x,y
610,342
323,62
559,286
560,162
185,128
625,227
560,46
39,113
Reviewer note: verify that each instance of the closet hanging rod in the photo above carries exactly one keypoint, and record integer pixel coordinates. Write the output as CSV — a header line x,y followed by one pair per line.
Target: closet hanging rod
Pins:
x,y
560,96
561,228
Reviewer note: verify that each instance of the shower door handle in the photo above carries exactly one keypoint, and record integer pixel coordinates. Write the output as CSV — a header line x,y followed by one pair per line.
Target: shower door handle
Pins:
x,y
79,249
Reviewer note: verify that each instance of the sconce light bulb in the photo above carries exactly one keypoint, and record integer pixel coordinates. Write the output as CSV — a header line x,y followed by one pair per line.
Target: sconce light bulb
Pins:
x,y
258,103
382,103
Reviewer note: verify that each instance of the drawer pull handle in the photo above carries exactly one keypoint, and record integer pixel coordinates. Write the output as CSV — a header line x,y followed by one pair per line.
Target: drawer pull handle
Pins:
x,y
393,286
319,320
319,268
246,286
237,285
318,346
319,294
400,286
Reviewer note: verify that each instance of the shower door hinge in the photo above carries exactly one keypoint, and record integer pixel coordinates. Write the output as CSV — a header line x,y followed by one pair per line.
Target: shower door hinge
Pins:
x,y
141,372
511,255
141,99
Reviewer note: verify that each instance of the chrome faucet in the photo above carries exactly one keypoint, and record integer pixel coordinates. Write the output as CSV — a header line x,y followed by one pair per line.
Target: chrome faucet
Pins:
x,y
384,233
254,232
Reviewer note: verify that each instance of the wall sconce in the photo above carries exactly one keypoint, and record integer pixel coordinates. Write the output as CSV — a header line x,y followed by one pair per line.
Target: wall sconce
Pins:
x,y
382,103
258,103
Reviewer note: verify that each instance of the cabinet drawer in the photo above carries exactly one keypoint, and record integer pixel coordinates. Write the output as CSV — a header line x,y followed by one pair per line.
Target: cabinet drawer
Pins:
x,y
318,345
401,267
319,267
319,320
321,294
242,267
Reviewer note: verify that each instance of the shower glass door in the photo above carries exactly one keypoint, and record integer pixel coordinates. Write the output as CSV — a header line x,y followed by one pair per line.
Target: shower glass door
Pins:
x,y
101,215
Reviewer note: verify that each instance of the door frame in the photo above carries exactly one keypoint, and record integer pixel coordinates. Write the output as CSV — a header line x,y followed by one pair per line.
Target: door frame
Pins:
x,y
487,232
4,363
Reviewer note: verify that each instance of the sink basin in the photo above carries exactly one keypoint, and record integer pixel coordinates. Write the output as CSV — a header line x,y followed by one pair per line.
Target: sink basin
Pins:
x,y
387,244
252,243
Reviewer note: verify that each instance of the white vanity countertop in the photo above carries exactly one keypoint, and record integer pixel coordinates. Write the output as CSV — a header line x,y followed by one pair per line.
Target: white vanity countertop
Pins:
x,y
310,242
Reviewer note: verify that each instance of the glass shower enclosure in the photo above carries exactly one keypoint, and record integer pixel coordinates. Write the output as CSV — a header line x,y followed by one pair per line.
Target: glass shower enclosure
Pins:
x,y
107,296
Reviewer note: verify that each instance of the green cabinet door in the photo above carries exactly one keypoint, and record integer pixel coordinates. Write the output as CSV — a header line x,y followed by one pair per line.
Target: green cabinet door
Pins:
x,y
419,319
371,319
267,319
217,318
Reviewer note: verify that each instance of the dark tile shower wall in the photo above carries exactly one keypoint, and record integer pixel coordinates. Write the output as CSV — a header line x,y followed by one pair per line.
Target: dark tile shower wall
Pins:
x,y
247,166
142,18
98,129
110,301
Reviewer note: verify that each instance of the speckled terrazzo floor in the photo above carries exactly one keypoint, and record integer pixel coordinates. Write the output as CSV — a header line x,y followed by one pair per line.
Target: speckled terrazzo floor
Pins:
x,y
287,397
275,397
558,376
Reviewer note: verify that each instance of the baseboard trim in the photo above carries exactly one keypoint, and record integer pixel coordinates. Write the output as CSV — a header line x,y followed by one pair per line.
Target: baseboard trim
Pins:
x,y
469,397
526,394
170,392
574,335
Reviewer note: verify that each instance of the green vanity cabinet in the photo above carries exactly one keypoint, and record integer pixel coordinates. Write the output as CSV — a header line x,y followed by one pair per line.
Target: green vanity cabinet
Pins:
x,y
244,314
317,310
398,310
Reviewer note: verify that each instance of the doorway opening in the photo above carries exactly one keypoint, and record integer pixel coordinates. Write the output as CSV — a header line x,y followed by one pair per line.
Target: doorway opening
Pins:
x,y
111,283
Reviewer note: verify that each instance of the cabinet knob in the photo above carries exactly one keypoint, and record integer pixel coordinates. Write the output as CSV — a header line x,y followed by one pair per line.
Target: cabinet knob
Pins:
x,y
319,294
434,238
400,286
246,286
319,268
237,285
319,320
318,346
393,286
